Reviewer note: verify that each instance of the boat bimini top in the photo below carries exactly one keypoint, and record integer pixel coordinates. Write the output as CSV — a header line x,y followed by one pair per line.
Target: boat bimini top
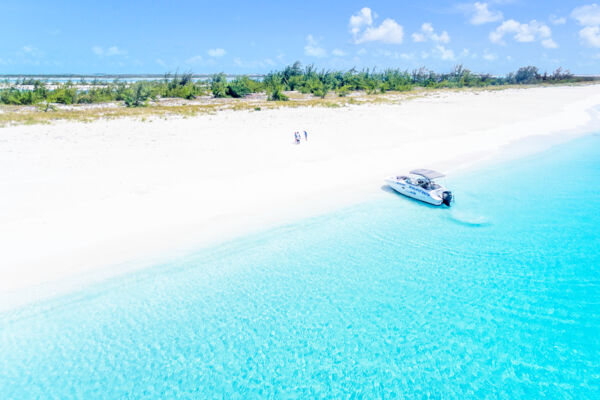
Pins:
x,y
427,173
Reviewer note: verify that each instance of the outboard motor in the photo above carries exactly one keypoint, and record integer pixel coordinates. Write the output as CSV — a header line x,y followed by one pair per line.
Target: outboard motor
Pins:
x,y
447,197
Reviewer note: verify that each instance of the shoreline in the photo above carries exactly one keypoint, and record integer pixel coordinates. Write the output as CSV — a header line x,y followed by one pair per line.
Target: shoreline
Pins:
x,y
100,213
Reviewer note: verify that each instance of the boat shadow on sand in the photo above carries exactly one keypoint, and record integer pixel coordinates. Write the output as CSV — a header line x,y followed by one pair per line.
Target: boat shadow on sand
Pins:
x,y
453,214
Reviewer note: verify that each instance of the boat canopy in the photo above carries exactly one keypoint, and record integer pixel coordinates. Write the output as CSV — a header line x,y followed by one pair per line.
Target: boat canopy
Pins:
x,y
427,173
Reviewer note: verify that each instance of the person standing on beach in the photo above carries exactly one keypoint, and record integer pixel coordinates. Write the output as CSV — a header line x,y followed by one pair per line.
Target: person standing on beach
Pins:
x,y
305,136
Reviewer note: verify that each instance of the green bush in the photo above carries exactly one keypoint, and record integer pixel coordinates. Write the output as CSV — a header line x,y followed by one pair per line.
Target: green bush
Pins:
x,y
239,87
181,86
527,75
218,85
63,95
275,94
320,91
343,91
137,95
17,97
187,91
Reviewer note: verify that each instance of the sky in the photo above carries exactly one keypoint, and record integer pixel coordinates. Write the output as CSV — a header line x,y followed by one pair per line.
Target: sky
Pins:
x,y
43,37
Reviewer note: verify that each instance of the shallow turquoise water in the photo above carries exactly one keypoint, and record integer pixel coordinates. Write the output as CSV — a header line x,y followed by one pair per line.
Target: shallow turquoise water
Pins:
x,y
497,297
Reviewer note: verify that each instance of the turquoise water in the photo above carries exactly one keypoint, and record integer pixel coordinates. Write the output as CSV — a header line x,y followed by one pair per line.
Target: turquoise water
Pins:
x,y
498,297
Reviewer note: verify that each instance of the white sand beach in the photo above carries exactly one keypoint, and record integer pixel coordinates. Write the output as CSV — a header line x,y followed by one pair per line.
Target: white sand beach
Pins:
x,y
93,199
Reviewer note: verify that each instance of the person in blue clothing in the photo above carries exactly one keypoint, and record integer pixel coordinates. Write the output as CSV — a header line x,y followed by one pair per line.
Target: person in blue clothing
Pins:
x,y
305,136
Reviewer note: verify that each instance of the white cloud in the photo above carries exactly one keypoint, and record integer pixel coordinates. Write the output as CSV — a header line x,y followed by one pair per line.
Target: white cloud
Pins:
x,y
312,48
481,14
363,30
338,52
418,37
466,53
111,51
384,53
115,51
218,52
490,56
31,51
549,44
394,54
267,62
526,32
161,62
363,18
428,33
361,52
194,60
590,35
444,53
588,15
554,20
388,32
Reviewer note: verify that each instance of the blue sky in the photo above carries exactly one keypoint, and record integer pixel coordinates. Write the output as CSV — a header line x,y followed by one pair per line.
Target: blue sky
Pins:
x,y
259,36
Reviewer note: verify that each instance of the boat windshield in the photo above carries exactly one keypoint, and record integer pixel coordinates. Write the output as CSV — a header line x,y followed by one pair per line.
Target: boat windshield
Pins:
x,y
418,180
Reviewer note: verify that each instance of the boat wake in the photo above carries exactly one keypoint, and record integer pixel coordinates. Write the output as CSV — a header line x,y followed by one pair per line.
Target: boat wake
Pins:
x,y
468,218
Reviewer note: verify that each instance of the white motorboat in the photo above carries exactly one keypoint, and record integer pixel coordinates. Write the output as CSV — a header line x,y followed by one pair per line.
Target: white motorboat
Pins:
x,y
420,185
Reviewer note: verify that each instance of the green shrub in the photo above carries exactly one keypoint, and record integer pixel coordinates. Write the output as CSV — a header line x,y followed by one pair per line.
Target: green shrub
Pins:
x,y
320,91
527,75
63,95
16,97
343,91
137,95
239,87
181,86
275,94
218,85
187,91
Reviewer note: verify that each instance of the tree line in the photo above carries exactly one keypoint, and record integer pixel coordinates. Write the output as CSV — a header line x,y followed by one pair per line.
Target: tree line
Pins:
x,y
294,77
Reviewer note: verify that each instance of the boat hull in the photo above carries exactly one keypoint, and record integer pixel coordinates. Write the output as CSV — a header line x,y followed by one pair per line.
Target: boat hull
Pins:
x,y
415,192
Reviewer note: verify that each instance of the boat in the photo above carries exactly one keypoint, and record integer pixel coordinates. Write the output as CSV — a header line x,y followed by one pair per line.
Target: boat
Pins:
x,y
420,185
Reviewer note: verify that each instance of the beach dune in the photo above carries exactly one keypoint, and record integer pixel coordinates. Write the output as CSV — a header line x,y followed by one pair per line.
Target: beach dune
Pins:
x,y
82,200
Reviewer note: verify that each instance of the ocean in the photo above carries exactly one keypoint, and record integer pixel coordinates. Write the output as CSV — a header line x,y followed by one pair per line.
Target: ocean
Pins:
x,y
496,297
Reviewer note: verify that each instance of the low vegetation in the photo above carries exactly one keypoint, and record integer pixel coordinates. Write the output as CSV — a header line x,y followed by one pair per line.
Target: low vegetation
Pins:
x,y
136,94
31,101
305,80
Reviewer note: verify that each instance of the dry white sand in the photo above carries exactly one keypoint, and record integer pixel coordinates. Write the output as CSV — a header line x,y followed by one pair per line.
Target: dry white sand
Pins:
x,y
93,199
